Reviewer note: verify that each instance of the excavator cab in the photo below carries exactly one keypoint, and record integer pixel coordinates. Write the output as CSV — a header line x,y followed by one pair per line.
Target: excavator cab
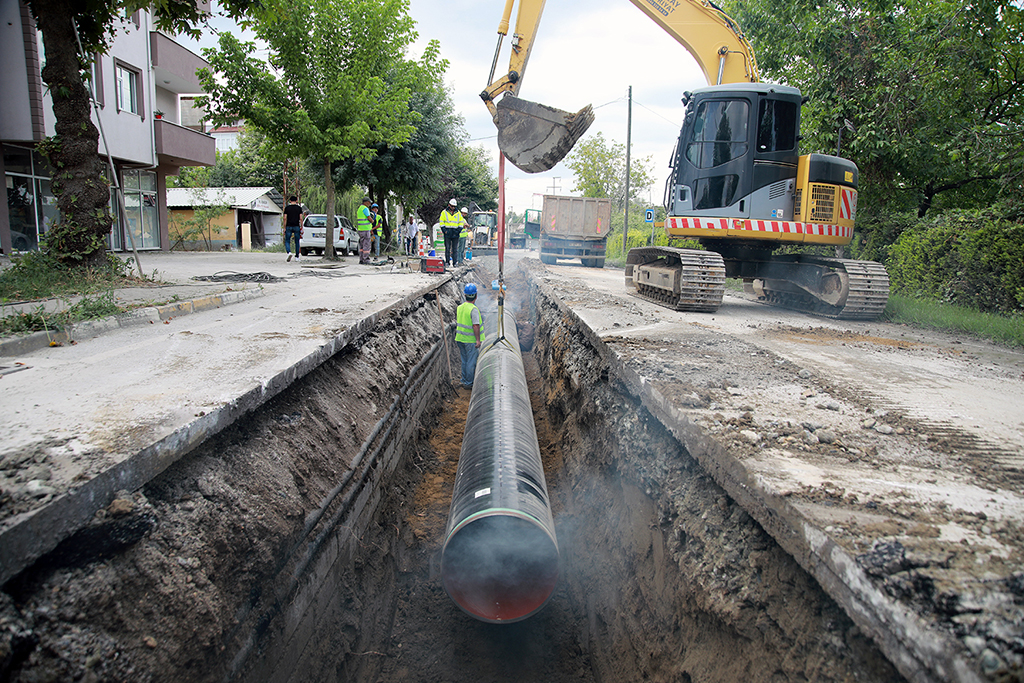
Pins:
x,y
737,153
535,136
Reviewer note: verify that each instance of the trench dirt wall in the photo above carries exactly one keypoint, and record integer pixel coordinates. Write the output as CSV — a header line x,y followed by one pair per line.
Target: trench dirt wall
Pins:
x,y
268,553
679,583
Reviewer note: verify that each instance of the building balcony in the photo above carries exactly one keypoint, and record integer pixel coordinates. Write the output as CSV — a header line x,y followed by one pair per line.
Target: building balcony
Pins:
x,y
174,66
180,146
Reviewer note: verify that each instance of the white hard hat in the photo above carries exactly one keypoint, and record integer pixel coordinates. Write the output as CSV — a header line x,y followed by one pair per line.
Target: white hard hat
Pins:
x,y
452,202
465,210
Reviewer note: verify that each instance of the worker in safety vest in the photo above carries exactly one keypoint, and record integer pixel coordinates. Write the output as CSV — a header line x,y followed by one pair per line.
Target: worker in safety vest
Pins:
x,y
451,224
464,234
469,334
377,229
364,223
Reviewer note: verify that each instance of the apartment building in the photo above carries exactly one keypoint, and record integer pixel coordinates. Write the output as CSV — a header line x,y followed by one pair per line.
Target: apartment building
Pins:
x,y
138,85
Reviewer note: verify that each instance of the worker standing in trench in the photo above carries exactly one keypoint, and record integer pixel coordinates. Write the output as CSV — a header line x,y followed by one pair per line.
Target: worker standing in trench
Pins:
x,y
469,334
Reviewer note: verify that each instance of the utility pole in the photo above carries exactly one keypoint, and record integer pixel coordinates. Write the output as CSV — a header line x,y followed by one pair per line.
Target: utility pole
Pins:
x,y
555,188
629,130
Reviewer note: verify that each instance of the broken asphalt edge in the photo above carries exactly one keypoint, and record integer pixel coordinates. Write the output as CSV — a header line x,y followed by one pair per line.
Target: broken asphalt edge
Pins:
x,y
27,537
921,653
88,329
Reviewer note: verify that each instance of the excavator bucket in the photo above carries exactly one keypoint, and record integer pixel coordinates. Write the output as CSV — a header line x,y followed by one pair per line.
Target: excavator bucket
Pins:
x,y
534,136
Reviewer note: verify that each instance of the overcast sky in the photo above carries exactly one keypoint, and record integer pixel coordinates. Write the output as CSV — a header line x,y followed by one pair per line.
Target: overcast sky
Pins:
x,y
584,53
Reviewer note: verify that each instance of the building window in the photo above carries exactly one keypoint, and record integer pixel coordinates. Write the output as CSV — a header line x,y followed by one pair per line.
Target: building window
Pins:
x,y
31,206
140,207
97,78
127,83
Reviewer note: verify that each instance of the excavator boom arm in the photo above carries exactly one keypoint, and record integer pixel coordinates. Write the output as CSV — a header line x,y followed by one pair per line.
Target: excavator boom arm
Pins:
x,y
714,40
535,137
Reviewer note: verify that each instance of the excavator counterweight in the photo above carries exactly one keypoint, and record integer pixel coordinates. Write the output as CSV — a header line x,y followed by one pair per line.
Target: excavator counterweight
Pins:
x,y
534,136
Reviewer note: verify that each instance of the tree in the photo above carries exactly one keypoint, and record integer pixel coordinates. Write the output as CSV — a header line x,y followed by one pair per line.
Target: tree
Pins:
x,y
417,168
473,180
330,100
933,90
72,31
200,224
469,180
599,170
250,165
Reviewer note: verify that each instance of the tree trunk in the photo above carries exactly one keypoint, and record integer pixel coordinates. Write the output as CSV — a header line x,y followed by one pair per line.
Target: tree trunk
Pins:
x,y
78,183
329,252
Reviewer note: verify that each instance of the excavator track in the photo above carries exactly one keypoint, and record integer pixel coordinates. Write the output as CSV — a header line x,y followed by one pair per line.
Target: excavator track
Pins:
x,y
681,279
866,282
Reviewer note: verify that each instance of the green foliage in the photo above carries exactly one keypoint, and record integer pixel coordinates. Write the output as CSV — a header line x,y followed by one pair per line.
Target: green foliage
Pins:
x,y
251,165
327,94
474,180
72,33
468,180
599,170
324,95
876,231
934,90
422,167
942,316
40,275
973,259
39,319
187,232
641,233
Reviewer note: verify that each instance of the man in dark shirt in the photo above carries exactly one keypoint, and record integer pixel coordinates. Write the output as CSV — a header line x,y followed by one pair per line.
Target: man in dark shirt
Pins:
x,y
293,214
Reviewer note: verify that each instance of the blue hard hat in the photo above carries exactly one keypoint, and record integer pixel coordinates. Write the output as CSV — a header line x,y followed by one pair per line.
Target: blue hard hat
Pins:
x,y
470,289
374,205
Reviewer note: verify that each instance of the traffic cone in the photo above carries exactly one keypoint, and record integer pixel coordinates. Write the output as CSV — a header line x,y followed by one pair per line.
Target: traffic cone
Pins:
x,y
423,248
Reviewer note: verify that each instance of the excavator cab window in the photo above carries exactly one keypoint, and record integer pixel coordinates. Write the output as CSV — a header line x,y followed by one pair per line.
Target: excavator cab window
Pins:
x,y
719,133
777,123
715,192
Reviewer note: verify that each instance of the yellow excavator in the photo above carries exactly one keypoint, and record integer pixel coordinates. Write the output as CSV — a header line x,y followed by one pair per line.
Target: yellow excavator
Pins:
x,y
738,186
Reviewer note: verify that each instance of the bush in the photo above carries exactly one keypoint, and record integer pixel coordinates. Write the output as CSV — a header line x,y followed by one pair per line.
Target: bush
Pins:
x,y
967,258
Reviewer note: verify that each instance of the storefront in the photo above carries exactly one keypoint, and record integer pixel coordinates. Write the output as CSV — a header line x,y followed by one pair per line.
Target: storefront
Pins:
x,y
141,218
31,206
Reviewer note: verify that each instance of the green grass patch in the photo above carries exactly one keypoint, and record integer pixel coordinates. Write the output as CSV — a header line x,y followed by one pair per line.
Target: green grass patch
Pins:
x,y
38,319
271,249
37,276
1002,329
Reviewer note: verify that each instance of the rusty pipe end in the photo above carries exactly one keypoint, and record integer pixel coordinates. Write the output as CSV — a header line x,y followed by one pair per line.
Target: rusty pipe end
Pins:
x,y
499,566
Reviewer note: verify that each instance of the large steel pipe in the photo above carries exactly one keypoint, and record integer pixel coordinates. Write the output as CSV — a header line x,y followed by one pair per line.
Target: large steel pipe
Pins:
x,y
499,562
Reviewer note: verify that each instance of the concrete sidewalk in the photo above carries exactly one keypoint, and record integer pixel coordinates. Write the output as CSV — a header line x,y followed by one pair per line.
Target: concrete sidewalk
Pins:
x,y
183,283
132,394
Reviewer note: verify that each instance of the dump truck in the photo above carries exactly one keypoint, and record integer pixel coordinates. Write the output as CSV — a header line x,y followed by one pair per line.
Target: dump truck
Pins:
x,y
575,227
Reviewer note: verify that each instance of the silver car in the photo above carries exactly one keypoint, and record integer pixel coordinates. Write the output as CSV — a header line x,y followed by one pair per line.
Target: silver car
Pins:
x,y
314,235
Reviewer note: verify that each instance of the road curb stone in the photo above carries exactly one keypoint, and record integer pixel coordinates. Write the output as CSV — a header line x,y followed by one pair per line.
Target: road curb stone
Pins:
x,y
88,329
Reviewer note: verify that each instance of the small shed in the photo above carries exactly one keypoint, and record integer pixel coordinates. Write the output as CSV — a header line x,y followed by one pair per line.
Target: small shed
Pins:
x,y
259,207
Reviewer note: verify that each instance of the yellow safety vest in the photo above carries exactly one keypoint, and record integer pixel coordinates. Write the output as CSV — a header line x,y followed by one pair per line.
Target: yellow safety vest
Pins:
x,y
465,229
464,323
363,218
450,220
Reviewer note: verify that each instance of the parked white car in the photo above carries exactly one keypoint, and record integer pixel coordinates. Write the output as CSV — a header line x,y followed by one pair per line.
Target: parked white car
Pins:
x,y
314,235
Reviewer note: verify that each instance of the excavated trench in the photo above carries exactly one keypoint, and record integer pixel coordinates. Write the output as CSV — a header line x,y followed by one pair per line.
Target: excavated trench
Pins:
x,y
303,544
